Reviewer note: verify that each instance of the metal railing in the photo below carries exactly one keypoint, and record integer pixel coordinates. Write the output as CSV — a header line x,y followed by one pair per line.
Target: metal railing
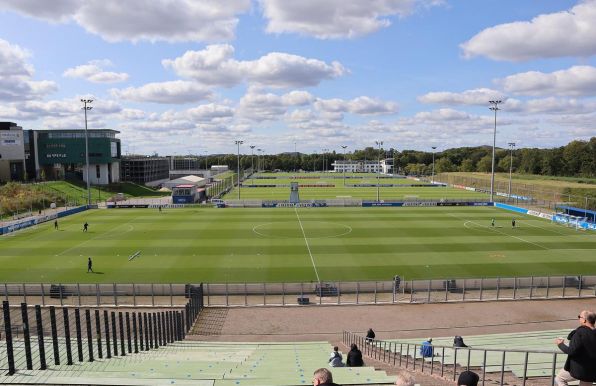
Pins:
x,y
307,293
496,360
94,332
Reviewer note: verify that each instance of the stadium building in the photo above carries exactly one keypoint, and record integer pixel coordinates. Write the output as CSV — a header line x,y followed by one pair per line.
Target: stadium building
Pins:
x,y
150,171
58,154
359,166
12,153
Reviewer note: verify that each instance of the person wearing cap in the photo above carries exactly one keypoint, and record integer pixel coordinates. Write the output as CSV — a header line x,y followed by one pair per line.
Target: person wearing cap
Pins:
x,y
581,352
458,341
468,378
426,349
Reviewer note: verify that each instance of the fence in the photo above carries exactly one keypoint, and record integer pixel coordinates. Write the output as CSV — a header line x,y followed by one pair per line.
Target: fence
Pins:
x,y
98,295
400,291
504,363
95,332
305,293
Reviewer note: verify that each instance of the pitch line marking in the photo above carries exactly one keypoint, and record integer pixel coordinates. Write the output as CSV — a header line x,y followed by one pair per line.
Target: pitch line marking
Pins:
x,y
498,231
347,232
307,246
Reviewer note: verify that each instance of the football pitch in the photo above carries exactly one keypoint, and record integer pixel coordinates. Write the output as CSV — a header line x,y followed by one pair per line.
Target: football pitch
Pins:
x,y
194,245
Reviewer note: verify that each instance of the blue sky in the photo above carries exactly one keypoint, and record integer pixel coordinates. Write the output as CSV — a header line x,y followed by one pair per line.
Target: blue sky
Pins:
x,y
183,76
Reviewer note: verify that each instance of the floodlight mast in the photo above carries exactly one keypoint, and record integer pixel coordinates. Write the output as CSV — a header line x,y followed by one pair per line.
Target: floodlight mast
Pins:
x,y
238,143
379,144
85,108
511,146
345,162
494,107
432,178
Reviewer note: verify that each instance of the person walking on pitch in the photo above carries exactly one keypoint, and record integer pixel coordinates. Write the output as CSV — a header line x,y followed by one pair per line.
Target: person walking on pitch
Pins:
x,y
492,222
85,226
56,224
89,265
513,223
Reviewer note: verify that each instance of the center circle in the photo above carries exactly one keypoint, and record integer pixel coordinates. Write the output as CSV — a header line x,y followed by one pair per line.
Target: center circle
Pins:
x,y
312,230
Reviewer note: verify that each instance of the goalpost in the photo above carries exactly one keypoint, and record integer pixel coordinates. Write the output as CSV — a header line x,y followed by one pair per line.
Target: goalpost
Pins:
x,y
569,220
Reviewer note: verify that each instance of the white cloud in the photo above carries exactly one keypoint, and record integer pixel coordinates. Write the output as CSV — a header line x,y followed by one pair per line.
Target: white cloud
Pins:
x,y
362,105
332,19
565,33
479,96
175,92
93,72
575,81
215,65
16,74
210,112
138,20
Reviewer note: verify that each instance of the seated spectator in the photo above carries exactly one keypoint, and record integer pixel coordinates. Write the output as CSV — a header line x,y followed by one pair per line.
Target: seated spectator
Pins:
x,y
426,350
468,378
405,379
354,358
335,360
370,335
323,377
458,341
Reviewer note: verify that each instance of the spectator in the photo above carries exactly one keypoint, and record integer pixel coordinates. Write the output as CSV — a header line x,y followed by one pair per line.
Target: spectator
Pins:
x,y
335,360
405,379
581,352
426,350
468,378
458,341
323,377
370,335
354,358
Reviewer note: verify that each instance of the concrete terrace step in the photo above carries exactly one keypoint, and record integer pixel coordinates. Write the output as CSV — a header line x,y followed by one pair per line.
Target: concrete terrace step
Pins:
x,y
197,363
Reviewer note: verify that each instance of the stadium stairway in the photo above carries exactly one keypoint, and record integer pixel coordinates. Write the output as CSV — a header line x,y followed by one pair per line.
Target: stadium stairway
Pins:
x,y
539,345
199,363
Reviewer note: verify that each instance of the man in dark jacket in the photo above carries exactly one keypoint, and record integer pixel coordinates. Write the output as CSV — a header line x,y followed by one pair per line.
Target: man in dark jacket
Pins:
x,y
370,335
354,358
581,352
323,377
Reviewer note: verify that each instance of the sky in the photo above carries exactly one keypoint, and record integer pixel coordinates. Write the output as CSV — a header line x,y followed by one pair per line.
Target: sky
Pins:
x,y
178,77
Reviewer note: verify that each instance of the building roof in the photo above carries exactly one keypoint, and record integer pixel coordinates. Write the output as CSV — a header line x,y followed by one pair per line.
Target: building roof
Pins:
x,y
184,186
75,130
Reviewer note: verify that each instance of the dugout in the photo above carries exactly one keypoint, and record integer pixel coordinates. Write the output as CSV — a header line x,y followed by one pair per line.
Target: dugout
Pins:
x,y
578,212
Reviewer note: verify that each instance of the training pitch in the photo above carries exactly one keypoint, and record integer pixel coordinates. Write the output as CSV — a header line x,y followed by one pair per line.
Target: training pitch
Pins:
x,y
292,244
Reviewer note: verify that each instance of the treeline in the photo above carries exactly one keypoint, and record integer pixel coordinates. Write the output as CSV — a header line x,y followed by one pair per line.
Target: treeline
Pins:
x,y
576,159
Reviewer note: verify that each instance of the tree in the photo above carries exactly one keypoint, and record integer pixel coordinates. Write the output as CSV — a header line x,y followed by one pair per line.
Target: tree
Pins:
x,y
467,165
444,165
485,164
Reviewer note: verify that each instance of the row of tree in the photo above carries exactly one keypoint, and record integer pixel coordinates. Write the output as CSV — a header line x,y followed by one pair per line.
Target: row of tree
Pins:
x,y
576,159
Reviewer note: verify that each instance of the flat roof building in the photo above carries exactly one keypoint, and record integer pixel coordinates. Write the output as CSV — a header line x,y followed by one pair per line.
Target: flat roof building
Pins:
x,y
151,171
12,152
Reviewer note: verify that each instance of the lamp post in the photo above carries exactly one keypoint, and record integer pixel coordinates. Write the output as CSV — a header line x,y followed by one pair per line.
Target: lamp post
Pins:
x,y
85,108
432,178
206,157
238,143
345,162
252,157
494,107
325,160
296,160
511,146
379,144
258,164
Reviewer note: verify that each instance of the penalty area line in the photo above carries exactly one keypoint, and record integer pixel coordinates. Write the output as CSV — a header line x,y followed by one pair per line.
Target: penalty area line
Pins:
x,y
307,246
498,231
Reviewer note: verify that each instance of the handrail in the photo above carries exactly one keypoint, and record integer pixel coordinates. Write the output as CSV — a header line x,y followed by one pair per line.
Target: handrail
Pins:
x,y
393,353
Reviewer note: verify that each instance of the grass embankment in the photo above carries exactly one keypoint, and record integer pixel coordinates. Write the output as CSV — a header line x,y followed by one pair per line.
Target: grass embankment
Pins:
x,y
556,190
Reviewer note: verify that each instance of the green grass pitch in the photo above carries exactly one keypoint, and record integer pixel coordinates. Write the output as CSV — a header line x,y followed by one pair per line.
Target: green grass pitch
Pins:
x,y
287,244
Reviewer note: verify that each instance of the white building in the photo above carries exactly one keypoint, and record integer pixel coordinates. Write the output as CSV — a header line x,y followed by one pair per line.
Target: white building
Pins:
x,y
359,166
